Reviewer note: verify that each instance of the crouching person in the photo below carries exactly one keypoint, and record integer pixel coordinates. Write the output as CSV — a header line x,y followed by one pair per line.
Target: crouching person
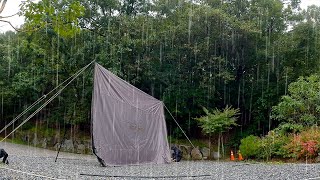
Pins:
x,y
4,155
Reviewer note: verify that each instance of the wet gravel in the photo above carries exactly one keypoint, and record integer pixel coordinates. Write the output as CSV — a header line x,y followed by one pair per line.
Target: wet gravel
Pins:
x,y
35,163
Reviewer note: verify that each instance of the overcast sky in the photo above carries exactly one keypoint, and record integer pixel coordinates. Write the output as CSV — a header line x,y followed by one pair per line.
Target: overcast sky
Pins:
x,y
12,7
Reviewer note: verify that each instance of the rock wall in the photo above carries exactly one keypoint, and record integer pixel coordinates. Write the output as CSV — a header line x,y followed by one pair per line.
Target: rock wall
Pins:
x,y
190,153
81,146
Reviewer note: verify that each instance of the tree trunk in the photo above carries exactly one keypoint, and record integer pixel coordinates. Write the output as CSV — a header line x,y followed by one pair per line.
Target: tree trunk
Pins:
x,y
222,146
219,147
209,146
3,5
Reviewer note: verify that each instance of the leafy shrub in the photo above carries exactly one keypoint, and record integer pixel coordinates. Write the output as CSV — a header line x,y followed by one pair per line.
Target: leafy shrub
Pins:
x,y
302,105
250,146
288,128
305,144
277,144
293,147
271,146
310,148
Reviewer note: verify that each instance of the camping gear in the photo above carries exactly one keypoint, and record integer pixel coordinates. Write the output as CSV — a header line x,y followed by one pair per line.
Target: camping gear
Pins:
x,y
4,155
176,154
128,125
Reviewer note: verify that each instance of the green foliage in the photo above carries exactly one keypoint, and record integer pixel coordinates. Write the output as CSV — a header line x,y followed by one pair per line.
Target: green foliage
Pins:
x,y
211,53
195,142
272,146
304,145
18,141
177,133
288,128
42,131
302,104
218,121
62,16
250,146
276,144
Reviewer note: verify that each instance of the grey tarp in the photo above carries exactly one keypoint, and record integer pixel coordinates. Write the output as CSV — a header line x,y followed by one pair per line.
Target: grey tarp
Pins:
x,y
128,125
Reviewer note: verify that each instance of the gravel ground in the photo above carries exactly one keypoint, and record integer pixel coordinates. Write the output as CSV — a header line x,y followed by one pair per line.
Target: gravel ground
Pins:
x,y
35,163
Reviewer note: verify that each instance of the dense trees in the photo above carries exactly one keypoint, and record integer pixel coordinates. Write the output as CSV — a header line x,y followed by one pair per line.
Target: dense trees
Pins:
x,y
205,53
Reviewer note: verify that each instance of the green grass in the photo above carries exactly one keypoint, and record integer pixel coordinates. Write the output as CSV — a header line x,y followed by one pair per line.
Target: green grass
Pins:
x,y
15,141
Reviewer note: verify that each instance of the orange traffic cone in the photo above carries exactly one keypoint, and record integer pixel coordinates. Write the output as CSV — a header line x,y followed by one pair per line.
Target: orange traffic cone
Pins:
x,y
232,156
240,158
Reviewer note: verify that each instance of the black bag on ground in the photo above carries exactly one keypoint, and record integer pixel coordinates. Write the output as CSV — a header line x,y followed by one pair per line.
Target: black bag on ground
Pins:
x,y
4,155
176,154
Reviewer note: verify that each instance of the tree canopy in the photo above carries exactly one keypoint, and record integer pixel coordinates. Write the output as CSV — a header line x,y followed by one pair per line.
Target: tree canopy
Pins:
x,y
190,54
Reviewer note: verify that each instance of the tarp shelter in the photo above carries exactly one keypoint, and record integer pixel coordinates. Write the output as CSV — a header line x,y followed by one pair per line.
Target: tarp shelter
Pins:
x,y
128,125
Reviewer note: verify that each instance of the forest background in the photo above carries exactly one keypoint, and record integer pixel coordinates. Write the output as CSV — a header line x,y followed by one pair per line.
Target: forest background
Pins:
x,y
189,54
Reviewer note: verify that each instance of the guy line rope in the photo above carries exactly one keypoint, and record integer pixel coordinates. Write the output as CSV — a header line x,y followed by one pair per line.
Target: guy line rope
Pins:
x,y
73,77
54,96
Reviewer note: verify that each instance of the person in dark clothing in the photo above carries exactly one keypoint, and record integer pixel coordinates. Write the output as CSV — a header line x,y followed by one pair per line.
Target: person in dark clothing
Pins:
x,y
176,154
4,155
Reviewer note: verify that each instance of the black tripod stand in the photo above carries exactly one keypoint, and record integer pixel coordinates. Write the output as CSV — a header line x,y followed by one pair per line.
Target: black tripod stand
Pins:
x,y
62,141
